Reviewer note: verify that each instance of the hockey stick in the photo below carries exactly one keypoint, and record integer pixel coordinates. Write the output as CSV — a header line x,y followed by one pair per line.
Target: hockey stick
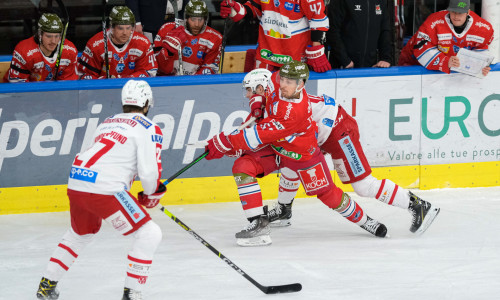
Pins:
x,y
274,289
223,45
105,38
177,24
63,37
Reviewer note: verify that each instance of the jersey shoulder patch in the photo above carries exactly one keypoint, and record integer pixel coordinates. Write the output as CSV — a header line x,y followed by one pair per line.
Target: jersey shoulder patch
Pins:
x,y
142,121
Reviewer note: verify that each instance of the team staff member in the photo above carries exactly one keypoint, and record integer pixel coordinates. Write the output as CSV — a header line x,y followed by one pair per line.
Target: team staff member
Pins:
x,y
440,37
129,53
360,34
124,146
34,59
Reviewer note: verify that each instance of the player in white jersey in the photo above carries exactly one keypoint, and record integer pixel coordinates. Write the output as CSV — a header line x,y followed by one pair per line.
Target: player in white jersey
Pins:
x,y
124,146
338,135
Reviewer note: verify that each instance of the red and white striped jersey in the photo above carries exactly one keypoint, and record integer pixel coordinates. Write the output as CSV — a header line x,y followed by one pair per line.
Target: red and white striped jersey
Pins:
x,y
123,146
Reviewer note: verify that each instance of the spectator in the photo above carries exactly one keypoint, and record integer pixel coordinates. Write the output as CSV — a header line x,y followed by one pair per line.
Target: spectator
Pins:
x,y
438,40
292,31
360,34
35,58
199,44
151,14
129,53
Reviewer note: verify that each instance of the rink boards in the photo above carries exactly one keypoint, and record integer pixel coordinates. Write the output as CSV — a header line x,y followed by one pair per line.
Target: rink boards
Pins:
x,y
421,129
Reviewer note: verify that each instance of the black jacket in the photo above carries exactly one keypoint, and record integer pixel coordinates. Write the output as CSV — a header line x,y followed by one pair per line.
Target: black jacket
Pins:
x,y
151,13
360,31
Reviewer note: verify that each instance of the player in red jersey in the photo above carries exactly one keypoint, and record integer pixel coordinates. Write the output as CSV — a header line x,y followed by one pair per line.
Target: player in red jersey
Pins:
x,y
440,37
34,59
199,44
129,53
289,30
285,138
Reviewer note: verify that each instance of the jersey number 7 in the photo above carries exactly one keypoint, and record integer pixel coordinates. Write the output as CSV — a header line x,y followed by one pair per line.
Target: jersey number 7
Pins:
x,y
108,144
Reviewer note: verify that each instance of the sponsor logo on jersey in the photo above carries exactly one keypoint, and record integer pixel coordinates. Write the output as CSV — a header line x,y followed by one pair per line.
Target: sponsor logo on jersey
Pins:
x,y
19,57
481,24
119,222
205,42
131,65
97,43
288,110
156,138
313,178
443,49
378,11
329,100
277,58
135,52
352,156
357,7
142,121
436,62
433,24
200,54
264,1
291,154
131,208
446,36
277,125
288,6
194,41
140,38
327,122
456,48
277,3
114,135
424,36
129,122
32,51
83,174
296,8
187,52
474,38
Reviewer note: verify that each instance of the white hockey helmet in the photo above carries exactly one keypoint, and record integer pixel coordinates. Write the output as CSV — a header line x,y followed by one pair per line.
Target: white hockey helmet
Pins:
x,y
255,78
137,93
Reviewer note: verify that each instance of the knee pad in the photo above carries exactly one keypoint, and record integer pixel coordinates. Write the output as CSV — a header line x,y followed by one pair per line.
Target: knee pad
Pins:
x,y
367,187
147,239
246,165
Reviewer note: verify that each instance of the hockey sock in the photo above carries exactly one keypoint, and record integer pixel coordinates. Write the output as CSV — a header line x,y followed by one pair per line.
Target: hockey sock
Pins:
x,y
140,257
350,210
65,254
288,189
250,194
383,190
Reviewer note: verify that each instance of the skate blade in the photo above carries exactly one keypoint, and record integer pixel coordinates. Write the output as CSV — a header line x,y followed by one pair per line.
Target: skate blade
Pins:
x,y
429,218
280,223
262,240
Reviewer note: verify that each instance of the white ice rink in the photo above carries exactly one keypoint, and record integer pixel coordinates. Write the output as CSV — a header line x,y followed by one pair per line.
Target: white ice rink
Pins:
x,y
457,258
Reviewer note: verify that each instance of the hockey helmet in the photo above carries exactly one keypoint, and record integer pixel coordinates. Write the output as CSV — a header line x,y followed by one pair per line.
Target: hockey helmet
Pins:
x,y
121,15
196,8
137,93
295,70
50,23
255,78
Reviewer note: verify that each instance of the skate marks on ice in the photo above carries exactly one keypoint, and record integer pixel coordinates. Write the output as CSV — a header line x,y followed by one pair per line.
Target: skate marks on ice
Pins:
x,y
456,258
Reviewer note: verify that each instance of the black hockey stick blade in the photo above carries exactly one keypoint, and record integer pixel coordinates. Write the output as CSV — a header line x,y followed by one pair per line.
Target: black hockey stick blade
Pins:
x,y
281,289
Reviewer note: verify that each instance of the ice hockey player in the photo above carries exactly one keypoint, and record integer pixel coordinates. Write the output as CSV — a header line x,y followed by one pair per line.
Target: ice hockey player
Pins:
x,y
338,135
130,53
293,30
124,145
285,138
443,33
199,44
34,59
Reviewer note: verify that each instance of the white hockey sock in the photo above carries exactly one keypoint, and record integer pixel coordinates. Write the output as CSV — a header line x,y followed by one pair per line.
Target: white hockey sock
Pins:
x,y
288,189
65,254
140,257
383,190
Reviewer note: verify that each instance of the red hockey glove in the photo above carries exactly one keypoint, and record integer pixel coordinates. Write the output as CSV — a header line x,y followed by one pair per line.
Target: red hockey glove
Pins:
x,y
257,106
173,40
230,8
316,58
150,201
218,146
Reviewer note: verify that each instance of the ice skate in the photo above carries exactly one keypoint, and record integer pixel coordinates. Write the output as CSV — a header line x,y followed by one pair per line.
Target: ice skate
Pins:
x,y
280,215
130,294
374,227
256,233
423,214
47,290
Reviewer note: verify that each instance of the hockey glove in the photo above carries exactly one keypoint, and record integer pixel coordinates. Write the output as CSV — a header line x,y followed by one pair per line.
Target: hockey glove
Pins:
x,y
150,201
218,146
230,8
173,40
316,59
257,106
